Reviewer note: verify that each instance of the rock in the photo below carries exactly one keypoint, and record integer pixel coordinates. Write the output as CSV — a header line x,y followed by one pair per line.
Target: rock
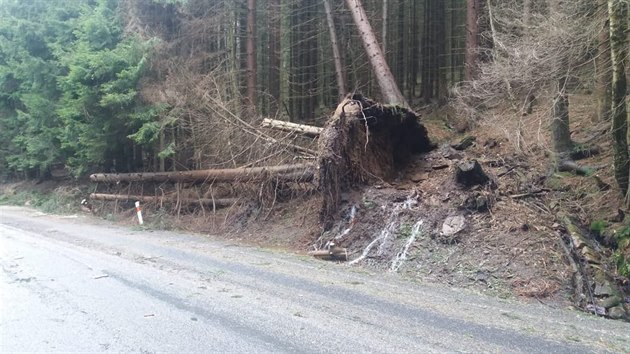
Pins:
x,y
603,289
598,310
617,312
465,143
419,176
453,225
608,302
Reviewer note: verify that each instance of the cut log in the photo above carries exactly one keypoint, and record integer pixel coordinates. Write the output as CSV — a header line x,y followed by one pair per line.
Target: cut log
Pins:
x,y
291,127
469,173
294,173
335,253
219,203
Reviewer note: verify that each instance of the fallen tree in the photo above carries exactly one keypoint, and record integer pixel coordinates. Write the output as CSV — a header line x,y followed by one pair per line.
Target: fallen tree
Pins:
x,y
293,173
365,141
218,203
308,130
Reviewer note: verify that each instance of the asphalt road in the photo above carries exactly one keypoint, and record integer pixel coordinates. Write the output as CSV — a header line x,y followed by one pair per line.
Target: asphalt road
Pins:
x,y
76,284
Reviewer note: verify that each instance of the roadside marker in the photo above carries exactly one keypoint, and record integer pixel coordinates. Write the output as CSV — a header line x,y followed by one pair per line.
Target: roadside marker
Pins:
x,y
139,211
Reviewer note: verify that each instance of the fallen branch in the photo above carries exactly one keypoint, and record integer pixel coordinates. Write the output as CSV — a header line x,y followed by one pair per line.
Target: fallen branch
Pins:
x,y
295,173
308,130
225,202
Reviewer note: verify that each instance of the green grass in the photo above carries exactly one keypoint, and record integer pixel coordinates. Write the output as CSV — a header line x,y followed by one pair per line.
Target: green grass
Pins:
x,y
59,201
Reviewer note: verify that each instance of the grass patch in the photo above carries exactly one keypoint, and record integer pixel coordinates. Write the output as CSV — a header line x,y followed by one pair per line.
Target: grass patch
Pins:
x,y
61,200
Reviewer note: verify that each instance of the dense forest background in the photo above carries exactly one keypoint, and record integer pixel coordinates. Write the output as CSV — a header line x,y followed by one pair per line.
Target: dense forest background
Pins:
x,y
133,85
150,85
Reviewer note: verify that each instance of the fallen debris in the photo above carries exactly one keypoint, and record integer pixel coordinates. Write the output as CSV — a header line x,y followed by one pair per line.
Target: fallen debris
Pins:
x,y
333,253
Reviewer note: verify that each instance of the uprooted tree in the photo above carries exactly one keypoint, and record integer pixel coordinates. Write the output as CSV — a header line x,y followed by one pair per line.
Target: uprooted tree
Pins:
x,y
364,141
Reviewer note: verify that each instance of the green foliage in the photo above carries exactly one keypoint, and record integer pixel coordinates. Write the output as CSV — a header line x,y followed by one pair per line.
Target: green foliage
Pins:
x,y
57,202
623,263
68,87
598,226
621,257
405,230
623,237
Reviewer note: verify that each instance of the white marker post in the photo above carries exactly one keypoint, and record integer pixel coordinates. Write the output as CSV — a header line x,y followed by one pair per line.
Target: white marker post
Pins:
x,y
139,211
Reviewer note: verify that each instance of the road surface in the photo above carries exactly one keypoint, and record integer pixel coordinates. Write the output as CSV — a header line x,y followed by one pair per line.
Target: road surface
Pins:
x,y
76,284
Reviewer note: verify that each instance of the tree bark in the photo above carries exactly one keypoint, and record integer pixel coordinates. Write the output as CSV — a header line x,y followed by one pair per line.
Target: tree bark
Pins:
x,y
474,10
274,14
618,13
252,71
561,135
390,91
308,130
219,203
341,77
603,70
299,172
385,22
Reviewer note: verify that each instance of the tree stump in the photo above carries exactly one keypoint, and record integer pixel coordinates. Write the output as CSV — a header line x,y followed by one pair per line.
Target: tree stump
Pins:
x,y
469,173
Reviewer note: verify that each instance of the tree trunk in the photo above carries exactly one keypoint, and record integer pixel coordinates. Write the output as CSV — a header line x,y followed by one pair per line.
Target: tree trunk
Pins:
x,y
218,203
560,132
603,70
341,78
274,14
384,32
299,172
390,91
618,13
428,51
252,71
474,10
308,130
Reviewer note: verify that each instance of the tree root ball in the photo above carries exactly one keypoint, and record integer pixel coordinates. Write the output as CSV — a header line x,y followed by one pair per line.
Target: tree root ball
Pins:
x,y
365,141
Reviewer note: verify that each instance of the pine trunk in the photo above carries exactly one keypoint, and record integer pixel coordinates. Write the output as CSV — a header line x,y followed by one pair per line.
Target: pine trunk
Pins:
x,y
618,13
252,71
560,132
474,10
274,56
603,71
390,91
341,78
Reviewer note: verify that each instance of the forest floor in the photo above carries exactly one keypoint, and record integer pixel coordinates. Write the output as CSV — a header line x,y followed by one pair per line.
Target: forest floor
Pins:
x,y
504,241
